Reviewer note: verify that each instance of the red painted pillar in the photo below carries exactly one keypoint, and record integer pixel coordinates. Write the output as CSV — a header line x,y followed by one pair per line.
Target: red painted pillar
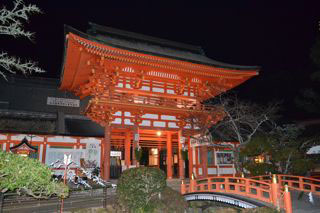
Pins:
x,y
8,143
135,142
190,156
169,155
106,152
181,161
204,160
196,149
127,149
44,150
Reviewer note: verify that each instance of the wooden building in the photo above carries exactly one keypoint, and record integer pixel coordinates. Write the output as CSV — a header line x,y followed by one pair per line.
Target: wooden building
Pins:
x,y
143,91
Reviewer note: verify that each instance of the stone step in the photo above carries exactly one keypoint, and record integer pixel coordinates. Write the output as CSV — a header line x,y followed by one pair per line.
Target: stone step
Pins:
x,y
175,184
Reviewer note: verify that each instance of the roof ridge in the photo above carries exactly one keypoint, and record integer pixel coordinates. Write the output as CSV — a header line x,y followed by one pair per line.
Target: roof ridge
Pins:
x,y
145,38
177,54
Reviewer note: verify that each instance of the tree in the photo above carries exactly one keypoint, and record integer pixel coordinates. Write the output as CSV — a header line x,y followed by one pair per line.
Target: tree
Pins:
x,y
258,148
309,98
11,24
286,147
28,176
236,121
289,149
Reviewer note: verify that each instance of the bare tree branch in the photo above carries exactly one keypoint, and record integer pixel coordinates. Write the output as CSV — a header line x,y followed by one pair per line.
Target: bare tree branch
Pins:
x,y
11,20
238,121
11,23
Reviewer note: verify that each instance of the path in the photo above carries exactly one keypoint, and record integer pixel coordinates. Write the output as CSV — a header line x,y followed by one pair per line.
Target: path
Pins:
x,y
303,205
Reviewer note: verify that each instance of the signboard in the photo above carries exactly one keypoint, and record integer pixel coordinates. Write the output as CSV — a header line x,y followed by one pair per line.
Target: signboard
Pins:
x,y
115,154
93,153
182,140
136,137
67,102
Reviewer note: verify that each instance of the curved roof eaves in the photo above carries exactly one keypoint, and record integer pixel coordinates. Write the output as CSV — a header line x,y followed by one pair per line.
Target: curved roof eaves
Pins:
x,y
157,50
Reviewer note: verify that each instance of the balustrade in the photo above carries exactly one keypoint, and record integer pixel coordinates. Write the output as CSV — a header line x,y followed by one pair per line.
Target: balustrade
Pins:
x,y
259,188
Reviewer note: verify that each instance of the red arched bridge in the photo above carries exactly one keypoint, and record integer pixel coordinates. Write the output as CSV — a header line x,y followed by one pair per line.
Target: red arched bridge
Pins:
x,y
269,190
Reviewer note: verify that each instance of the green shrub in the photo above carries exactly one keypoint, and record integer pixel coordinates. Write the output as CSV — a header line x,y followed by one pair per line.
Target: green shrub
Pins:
x,y
138,186
28,176
259,168
170,201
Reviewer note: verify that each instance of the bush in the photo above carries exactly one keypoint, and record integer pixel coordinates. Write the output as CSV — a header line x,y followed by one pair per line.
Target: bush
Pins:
x,y
170,201
138,186
256,169
28,176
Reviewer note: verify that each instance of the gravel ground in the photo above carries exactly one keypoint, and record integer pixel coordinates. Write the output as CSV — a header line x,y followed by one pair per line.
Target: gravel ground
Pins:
x,y
303,205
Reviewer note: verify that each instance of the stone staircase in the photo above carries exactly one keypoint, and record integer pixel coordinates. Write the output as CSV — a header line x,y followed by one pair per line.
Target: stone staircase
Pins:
x,y
174,184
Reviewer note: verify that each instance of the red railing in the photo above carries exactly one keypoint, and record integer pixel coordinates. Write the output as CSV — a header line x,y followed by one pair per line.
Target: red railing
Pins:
x,y
300,183
255,189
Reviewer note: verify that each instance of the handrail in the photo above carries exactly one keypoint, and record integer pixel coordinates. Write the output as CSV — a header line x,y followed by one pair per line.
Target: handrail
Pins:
x,y
256,189
234,185
265,188
300,183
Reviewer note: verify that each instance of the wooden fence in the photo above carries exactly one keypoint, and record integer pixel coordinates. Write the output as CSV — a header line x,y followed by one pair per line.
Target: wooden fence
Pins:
x,y
12,202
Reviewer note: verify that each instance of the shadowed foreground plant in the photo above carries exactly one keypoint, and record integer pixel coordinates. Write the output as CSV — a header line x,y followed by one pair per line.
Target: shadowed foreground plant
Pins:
x,y
138,186
28,176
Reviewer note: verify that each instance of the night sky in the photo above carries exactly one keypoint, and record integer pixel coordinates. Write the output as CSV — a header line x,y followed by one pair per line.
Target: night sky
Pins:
x,y
276,37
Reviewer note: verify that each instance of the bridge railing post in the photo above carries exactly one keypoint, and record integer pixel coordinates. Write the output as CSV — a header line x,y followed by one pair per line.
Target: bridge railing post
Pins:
x,y
275,192
247,185
192,184
287,200
183,187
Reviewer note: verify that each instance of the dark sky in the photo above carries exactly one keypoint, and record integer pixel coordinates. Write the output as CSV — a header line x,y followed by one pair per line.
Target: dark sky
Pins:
x,y
277,37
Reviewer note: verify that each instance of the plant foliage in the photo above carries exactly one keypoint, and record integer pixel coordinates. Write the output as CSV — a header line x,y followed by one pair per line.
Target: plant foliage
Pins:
x,y
28,176
241,122
138,186
286,147
309,98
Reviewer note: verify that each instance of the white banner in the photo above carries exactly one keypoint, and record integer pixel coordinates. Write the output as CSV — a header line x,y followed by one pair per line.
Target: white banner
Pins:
x,y
91,153
54,154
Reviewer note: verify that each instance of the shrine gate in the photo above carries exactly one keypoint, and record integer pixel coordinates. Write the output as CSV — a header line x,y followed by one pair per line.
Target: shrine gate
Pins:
x,y
142,90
